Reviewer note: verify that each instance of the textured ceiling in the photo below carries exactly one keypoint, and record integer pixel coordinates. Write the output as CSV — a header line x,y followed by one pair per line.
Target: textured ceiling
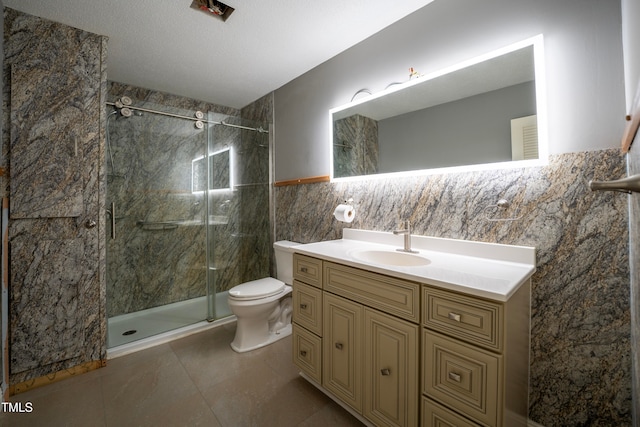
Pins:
x,y
168,46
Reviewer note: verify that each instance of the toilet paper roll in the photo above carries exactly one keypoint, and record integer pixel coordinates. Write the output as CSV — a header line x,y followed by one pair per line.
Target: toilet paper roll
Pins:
x,y
344,213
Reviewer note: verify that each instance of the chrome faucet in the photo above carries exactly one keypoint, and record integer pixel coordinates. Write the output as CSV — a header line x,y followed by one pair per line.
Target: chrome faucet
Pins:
x,y
407,238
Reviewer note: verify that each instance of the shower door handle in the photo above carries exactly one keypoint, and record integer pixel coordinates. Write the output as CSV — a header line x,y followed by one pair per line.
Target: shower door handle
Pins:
x,y
113,220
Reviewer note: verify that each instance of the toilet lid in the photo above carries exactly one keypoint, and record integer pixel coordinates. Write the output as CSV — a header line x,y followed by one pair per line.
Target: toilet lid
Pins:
x,y
260,288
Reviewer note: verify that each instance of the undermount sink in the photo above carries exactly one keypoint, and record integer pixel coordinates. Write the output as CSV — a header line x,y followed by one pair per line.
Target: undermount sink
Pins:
x,y
400,259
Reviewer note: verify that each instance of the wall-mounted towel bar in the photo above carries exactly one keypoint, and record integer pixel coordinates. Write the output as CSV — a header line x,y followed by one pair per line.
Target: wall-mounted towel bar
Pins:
x,y
626,185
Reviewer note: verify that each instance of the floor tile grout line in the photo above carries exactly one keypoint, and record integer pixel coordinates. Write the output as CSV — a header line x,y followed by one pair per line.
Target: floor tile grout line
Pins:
x,y
195,385
103,400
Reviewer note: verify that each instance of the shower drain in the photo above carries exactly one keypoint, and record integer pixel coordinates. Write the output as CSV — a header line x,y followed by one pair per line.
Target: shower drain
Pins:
x,y
131,332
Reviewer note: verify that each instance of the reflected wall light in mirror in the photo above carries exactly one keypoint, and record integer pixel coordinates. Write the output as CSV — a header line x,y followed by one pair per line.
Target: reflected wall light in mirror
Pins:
x,y
219,175
486,113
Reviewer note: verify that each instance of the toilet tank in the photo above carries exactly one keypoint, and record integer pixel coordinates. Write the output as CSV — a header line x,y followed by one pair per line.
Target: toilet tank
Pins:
x,y
284,260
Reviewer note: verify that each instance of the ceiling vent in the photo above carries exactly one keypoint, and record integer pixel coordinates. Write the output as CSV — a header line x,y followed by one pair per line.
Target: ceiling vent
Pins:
x,y
214,8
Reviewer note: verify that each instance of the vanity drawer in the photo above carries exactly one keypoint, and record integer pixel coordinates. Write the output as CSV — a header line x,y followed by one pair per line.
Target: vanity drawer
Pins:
x,y
436,415
307,352
307,270
463,377
388,294
473,320
307,307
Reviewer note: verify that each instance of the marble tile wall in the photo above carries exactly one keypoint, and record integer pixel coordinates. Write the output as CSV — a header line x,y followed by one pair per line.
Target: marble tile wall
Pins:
x,y
634,254
255,192
580,368
54,113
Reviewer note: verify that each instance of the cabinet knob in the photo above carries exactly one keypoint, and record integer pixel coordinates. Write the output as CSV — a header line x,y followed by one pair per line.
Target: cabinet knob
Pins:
x,y
454,377
339,346
454,316
90,223
303,306
385,372
303,353
304,269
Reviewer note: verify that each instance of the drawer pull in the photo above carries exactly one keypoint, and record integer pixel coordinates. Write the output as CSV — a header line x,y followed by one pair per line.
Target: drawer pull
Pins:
x,y
385,372
455,317
303,353
454,377
303,306
304,269
339,346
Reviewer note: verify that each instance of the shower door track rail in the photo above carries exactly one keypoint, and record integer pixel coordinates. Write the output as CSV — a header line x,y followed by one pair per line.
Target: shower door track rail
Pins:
x,y
194,119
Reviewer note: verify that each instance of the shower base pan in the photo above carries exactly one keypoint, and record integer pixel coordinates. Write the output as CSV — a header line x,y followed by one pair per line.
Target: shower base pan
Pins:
x,y
143,329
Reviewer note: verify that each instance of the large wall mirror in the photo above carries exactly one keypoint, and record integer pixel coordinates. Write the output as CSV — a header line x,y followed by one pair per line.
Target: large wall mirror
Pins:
x,y
488,112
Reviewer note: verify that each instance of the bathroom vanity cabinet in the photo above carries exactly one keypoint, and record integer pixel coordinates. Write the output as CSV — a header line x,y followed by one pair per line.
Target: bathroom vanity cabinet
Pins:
x,y
404,353
475,359
357,336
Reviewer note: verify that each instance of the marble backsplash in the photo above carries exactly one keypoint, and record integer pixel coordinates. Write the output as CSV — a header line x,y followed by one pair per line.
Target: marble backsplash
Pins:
x,y
580,368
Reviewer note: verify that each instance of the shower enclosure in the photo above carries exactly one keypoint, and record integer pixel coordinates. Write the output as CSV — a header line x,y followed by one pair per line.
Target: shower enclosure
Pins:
x,y
187,212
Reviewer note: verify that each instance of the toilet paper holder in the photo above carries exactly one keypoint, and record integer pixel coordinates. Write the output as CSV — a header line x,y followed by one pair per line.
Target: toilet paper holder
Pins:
x,y
345,212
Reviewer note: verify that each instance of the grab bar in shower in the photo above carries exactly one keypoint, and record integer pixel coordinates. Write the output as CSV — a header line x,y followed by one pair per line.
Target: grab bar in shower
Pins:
x,y
112,212
113,220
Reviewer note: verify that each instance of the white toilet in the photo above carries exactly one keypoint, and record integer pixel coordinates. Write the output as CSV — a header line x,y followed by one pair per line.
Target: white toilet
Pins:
x,y
263,307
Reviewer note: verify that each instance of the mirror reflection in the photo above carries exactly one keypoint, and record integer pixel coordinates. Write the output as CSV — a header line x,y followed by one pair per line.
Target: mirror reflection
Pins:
x,y
220,171
485,111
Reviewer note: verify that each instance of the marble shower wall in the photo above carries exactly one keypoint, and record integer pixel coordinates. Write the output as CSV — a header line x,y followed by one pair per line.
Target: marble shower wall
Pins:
x,y
54,93
580,369
254,191
159,254
634,253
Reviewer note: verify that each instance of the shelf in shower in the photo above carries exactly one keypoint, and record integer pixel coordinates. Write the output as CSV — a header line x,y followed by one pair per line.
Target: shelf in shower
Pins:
x,y
171,225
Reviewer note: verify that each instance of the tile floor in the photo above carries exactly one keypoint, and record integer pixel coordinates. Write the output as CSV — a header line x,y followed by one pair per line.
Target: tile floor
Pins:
x,y
193,381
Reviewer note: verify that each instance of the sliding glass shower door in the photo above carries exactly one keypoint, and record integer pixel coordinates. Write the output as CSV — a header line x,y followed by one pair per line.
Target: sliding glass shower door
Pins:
x,y
239,215
157,239
188,202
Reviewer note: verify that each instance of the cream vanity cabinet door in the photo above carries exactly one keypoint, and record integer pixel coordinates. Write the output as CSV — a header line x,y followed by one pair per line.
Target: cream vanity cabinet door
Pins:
x,y
307,352
475,356
465,378
307,315
307,269
342,347
436,415
389,362
390,370
307,307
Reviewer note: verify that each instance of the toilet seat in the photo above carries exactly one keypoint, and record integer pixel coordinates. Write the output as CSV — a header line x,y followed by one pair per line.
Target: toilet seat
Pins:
x,y
256,289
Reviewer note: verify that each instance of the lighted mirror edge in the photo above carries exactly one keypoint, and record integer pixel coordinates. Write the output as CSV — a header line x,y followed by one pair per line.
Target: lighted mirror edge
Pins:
x,y
232,179
541,110
447,170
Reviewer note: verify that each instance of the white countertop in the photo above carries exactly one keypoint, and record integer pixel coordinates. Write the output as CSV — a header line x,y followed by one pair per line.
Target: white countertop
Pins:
x,y
487,270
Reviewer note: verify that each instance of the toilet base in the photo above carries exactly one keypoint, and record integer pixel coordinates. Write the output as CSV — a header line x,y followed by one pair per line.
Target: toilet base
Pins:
x,y
271,338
